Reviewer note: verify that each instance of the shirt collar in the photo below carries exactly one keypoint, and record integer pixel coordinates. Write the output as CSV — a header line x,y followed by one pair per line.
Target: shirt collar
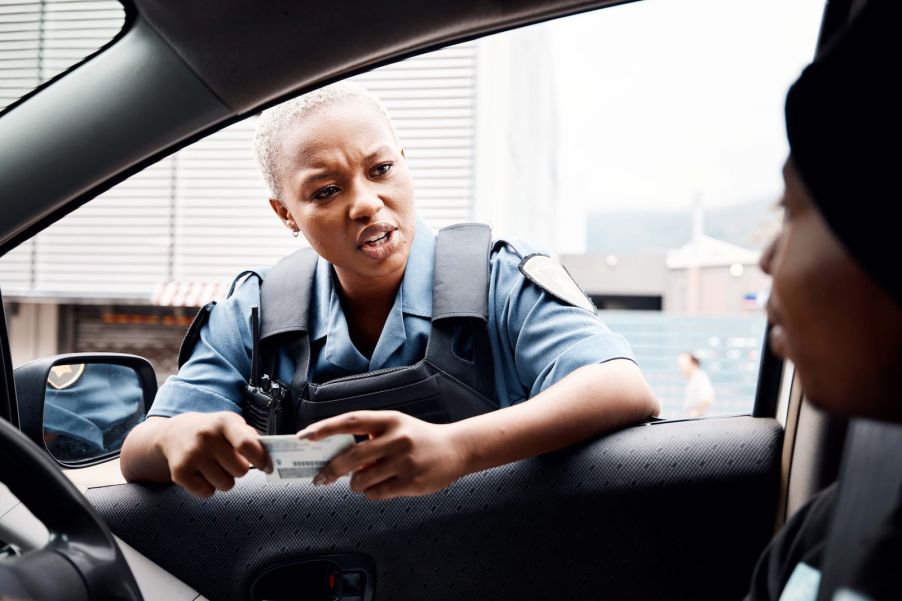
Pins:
x,y
419,274
339,349
414,298
322,295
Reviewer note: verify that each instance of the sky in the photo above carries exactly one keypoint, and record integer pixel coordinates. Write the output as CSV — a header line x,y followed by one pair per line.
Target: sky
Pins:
x,y
664,101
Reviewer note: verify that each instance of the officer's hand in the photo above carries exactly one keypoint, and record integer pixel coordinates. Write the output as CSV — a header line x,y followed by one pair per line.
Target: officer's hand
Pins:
x,y
404,456
207,451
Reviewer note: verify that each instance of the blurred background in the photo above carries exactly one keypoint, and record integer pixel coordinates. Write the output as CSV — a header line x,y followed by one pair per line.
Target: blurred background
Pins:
x,y
641,145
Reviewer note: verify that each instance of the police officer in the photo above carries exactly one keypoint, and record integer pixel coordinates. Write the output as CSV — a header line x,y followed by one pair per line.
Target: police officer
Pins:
x,y
89,408
386,295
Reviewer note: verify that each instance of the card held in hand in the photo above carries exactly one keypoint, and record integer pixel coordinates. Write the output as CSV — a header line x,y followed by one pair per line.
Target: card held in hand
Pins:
x,y
296,459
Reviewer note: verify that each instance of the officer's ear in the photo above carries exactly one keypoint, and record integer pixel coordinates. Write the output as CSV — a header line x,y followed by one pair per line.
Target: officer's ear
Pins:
x,y
282,212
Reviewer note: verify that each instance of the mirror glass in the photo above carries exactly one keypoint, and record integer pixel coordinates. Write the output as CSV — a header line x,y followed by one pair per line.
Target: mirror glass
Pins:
x,y
89,408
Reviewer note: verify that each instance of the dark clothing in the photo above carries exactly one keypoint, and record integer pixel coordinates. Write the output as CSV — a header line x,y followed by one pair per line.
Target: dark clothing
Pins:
x,y
802,539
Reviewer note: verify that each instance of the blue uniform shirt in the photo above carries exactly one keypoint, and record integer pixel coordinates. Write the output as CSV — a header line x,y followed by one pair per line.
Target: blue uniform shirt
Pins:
x,y
536,340
93,414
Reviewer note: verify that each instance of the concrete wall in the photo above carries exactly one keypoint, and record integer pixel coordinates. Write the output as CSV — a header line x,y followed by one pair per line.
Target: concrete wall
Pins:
x,y
33,331
640,275
699,291
718,292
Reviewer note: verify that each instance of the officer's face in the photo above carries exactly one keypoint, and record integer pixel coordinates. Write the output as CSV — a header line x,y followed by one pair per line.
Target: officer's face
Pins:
x,y
841,330
348,189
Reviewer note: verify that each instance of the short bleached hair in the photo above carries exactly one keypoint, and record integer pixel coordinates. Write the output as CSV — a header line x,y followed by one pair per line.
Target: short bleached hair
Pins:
x,y
276,120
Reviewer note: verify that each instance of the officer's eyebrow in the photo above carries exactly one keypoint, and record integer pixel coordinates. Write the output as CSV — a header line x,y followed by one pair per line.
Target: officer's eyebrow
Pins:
x,y
316,174
383,149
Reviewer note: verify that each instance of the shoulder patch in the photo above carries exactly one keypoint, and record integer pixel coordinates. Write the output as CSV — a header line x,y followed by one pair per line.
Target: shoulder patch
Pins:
x,y
553,278
64,376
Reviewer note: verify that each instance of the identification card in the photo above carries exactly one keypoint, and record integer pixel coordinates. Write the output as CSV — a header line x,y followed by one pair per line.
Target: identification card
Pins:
x,y
294,459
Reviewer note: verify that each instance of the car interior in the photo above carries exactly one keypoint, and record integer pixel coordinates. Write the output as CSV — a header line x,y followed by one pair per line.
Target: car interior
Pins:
x,y
670,509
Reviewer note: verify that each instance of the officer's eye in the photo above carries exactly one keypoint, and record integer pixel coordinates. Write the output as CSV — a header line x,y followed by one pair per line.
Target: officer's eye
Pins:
x,y
381,169
327,192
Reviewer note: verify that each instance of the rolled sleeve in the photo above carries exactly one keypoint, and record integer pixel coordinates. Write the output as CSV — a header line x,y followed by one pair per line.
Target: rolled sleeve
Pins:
x,y
215,375
539,339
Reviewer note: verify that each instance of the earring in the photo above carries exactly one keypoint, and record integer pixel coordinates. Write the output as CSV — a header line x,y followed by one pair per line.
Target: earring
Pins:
x,y
295,233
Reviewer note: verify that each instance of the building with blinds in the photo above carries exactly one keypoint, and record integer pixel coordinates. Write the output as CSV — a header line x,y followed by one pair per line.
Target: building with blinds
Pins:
x,y
127,271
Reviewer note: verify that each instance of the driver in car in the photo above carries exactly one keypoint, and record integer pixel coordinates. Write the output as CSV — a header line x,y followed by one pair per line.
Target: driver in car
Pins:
x,y
425,346
836,299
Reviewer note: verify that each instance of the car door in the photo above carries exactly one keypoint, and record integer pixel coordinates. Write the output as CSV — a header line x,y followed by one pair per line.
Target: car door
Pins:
x,y
672,509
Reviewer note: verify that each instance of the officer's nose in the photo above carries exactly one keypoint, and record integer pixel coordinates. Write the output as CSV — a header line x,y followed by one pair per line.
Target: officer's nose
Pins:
x,y
365,203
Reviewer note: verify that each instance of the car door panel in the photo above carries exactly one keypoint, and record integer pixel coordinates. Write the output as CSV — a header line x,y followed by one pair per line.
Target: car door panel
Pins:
x,y
665,511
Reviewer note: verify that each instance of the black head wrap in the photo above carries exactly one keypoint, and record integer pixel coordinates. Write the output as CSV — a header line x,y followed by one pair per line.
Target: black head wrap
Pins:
x,y
842,120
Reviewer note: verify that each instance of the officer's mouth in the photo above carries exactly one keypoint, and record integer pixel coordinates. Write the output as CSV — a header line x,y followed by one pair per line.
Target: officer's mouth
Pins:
x,y
378,240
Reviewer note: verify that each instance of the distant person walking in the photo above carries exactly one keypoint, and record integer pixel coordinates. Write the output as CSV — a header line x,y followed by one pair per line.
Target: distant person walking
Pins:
x,y
699,391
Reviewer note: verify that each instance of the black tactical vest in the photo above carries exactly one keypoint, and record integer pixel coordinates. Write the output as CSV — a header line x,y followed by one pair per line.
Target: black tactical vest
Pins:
x,y
454,381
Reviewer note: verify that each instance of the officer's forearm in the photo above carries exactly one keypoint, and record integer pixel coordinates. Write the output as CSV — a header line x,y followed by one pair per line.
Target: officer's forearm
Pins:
x,y
141,459
589,401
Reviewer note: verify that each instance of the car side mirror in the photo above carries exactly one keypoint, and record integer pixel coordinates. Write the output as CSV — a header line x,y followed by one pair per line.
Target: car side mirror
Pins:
x,y
81,406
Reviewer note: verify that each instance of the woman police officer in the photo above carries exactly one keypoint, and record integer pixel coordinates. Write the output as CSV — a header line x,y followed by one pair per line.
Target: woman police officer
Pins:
x,y
443,329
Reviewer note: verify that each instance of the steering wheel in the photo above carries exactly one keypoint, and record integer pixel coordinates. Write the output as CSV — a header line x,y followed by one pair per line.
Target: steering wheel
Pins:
x,y
81,561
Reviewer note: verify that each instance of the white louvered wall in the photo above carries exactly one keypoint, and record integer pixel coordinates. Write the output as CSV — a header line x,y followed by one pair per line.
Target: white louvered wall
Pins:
x,y
223,221
20,49
38,41
73,29
116,246
202,214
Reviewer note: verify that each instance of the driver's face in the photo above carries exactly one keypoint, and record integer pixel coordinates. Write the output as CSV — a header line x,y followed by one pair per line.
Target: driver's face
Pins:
x,y
348,188
842,332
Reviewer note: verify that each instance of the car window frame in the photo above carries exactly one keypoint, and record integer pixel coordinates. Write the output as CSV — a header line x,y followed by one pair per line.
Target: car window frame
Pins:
x,y
129,17
770,375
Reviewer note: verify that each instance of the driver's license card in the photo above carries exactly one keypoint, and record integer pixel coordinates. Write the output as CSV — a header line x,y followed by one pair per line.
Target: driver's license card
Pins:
x,y
294,459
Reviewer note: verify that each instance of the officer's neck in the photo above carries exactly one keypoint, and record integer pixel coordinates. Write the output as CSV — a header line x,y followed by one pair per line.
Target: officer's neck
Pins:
x,y
366,303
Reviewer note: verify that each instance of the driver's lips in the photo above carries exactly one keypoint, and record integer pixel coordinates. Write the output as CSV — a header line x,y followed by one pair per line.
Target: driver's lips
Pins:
x,y
777,336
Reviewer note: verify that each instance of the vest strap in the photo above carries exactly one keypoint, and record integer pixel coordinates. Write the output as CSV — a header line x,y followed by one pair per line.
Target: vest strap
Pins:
x,y
285,294
460,295
461,287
